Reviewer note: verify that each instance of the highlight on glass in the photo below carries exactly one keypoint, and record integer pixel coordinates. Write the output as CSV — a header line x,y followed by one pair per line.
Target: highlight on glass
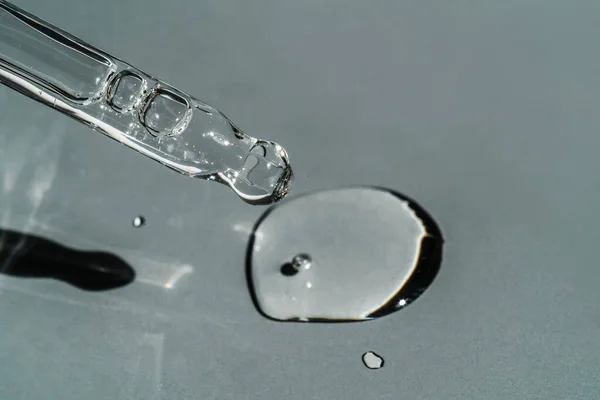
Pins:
x,y
152,117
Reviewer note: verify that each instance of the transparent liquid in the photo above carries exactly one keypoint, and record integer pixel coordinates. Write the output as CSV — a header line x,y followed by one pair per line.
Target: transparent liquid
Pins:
x,y
351,254
372,360
136,109
138,221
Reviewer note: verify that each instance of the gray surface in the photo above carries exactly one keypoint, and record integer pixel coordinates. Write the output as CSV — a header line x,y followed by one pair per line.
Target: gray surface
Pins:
x,y
484,112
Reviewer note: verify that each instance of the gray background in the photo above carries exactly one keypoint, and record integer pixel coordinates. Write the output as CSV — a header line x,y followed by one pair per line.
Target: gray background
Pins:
x,y
486,112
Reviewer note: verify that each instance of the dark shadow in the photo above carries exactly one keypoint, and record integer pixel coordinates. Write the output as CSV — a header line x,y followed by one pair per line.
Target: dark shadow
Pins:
x,y
27,256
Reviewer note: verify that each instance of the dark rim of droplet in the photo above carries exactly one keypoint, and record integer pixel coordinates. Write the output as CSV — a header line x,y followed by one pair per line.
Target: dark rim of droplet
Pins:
x,y
376,355
427,266
425,271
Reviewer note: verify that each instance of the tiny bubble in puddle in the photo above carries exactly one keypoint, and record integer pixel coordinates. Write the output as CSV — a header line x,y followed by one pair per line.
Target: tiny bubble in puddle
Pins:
x,y
372,360
299,262
139,221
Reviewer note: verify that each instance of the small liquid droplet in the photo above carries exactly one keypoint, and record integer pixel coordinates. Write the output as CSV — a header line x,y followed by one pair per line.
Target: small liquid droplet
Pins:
x,y
360,253
302,261
298,263
139,221
372,360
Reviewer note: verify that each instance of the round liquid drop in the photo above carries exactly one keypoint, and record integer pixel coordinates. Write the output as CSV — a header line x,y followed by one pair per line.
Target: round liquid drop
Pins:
x,y
349,254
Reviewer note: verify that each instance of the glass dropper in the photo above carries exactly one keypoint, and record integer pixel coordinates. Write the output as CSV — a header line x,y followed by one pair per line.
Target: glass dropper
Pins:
x,y
157,120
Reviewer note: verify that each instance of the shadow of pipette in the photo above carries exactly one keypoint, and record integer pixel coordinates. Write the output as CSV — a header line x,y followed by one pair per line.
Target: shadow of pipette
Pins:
x,y
28,256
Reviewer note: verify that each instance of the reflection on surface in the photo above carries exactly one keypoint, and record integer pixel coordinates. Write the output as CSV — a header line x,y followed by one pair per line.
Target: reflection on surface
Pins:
x,y
147,368
164,274
27,256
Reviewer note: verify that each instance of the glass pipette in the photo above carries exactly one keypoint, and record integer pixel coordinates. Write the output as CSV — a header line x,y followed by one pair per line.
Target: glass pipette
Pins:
x,y
55,68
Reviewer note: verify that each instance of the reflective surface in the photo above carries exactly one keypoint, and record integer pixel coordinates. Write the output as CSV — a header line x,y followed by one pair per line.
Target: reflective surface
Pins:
x,y
361,253
134,108
483,112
